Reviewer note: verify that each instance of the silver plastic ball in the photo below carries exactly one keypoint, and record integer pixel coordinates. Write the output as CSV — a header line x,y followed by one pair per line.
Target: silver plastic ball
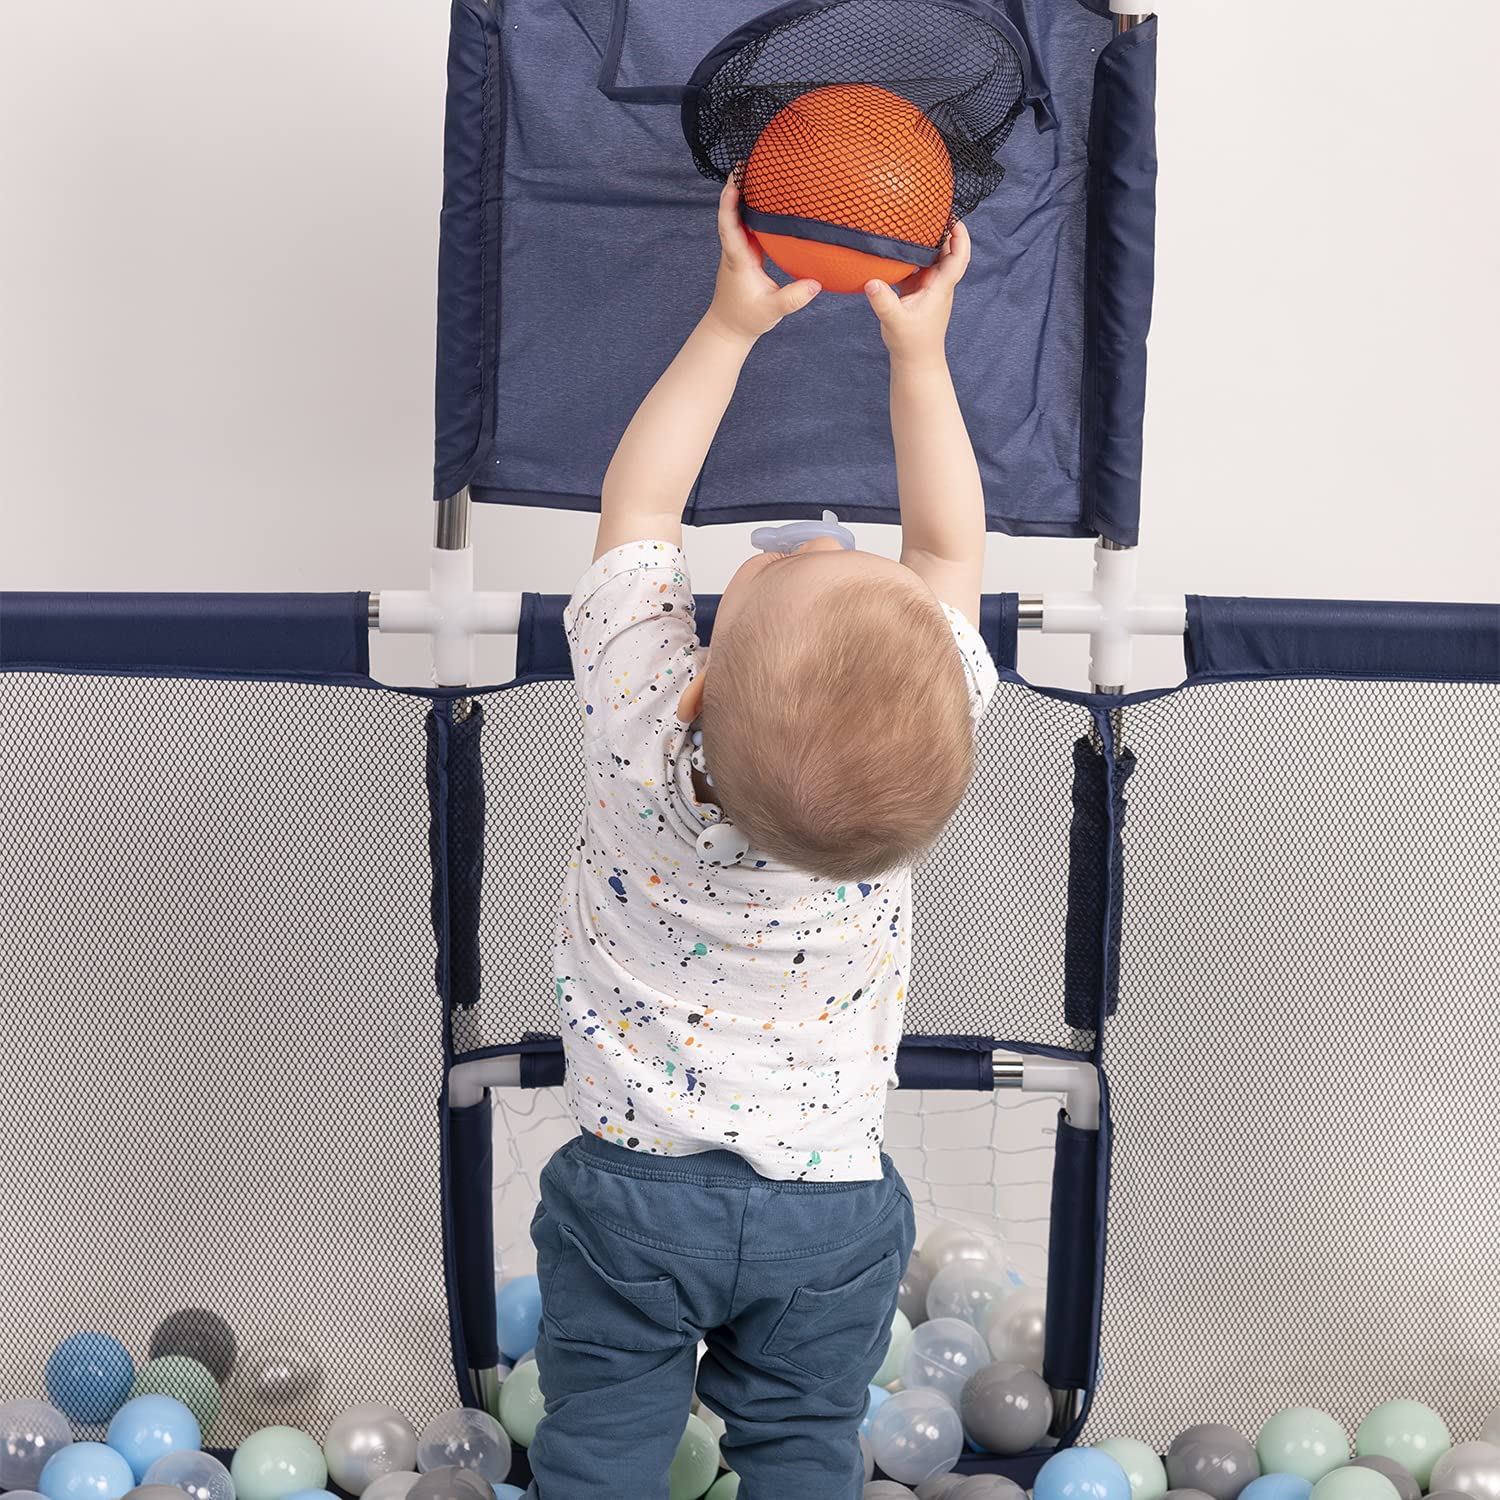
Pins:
x,y
367,1442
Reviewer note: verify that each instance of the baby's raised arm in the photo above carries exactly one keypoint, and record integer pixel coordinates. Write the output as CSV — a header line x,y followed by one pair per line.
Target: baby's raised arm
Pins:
x,y
657,461
937,475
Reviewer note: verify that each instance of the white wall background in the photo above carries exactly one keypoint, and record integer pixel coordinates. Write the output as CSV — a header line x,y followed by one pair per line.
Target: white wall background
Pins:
x,y
218,233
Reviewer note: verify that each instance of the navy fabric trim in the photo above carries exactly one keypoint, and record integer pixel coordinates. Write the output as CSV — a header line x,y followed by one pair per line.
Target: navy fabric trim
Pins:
x,y
469,248
1119,282
542,646
456,799
1006,16
301,634
922,1065
1329,637
728,515
840,234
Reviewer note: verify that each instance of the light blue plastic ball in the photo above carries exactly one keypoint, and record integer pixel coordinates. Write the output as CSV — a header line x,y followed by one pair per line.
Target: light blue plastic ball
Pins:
x,y
150,1427
1081,1474
878,1397
1277,1487
86,1471
518,1314
508,1492
312,1495
89,1376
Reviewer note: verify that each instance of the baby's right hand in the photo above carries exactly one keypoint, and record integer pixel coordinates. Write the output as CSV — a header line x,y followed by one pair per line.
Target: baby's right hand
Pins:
x,y
747,303
914,316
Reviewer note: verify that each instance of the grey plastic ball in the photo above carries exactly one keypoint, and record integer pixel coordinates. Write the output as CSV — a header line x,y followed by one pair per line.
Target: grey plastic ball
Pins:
x,y
199,1334
1473,1468
1447,1495
281,1380
1400,1476
887,1489
912,1297
366,1442
1206,1432
941,1486
451,1483
1186,1495
987,1487
1219,1467
1005,1408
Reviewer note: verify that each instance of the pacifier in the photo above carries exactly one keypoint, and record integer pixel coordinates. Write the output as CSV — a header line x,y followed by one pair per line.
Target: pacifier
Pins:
x,y
797,533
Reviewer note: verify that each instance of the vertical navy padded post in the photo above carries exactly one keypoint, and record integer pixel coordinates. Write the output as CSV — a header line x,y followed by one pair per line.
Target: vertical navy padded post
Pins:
x,y
1120,279
1095,883
1075,1256
470,1227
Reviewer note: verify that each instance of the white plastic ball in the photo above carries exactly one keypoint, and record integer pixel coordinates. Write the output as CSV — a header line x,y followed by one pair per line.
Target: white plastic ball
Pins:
x,y
1473,1468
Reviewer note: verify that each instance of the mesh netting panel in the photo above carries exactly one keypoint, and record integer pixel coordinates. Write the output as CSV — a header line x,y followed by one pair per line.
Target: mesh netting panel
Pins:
x,y
880,116
1305,1058
222,1052
990,906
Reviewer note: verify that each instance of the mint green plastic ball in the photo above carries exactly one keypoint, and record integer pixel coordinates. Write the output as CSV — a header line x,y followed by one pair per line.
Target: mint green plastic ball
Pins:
x,y
1304,1441
895,1354
185,1379
1142,1466
696,1463
522,1406
276,1462
1413,1435
1355,1484
727,1487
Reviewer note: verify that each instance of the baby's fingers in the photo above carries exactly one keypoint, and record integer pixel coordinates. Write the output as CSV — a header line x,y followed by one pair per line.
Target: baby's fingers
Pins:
x,y
733,236
794,298
883,298
949,268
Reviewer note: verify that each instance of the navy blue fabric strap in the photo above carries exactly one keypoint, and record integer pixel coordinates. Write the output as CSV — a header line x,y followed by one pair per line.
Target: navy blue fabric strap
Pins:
x,y
1091,955
324,635
1342,638
542,648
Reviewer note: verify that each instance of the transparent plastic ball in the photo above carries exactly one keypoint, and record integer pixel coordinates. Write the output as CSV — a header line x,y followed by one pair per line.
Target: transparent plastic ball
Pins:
x,y
915,1435
200,1474
466,1439
30,1433
968,1289
393,1486
965,1245
943,1354
1016,1328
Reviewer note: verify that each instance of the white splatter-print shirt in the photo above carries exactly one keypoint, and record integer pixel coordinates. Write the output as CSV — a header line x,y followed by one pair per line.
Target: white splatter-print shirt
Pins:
x,y
750,1007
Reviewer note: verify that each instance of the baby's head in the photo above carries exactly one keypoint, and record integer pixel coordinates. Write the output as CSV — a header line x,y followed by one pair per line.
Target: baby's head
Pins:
x,y
835,712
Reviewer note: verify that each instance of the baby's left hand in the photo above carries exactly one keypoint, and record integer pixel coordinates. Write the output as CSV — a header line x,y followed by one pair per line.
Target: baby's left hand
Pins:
x,y
747,303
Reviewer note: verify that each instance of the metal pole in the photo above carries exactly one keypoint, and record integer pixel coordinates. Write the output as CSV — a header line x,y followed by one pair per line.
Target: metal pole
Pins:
x,y
1126,23
451,533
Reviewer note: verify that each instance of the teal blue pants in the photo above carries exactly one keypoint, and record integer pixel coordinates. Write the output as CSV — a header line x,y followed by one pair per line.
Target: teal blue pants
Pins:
x,y
791,1284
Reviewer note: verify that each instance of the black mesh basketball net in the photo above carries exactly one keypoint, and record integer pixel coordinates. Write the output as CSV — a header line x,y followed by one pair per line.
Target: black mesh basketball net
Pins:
x,y
869,123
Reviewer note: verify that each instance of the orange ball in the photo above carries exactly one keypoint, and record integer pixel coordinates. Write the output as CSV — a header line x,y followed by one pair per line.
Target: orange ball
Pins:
x,y
858,156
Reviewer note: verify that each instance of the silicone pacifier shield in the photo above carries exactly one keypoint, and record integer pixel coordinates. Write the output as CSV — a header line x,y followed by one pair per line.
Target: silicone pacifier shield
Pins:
x,y
797,533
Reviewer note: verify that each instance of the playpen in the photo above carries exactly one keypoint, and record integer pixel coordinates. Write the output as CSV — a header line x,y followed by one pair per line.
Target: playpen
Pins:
x,y
1204,1006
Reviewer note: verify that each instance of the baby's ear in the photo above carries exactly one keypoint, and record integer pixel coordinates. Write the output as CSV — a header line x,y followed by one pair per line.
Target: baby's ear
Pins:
x,y
690,705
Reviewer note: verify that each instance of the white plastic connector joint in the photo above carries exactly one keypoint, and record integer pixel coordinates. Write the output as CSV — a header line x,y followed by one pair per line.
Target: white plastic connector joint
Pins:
x,y
451,612
1077,1082
1112,614
468,1082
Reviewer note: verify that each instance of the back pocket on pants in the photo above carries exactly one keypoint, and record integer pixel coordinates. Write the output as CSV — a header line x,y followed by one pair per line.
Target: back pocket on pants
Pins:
x,y
827,1333
586,1304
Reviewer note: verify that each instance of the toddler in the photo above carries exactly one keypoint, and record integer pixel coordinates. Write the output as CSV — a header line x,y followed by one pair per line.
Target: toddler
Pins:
x,y
734,936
